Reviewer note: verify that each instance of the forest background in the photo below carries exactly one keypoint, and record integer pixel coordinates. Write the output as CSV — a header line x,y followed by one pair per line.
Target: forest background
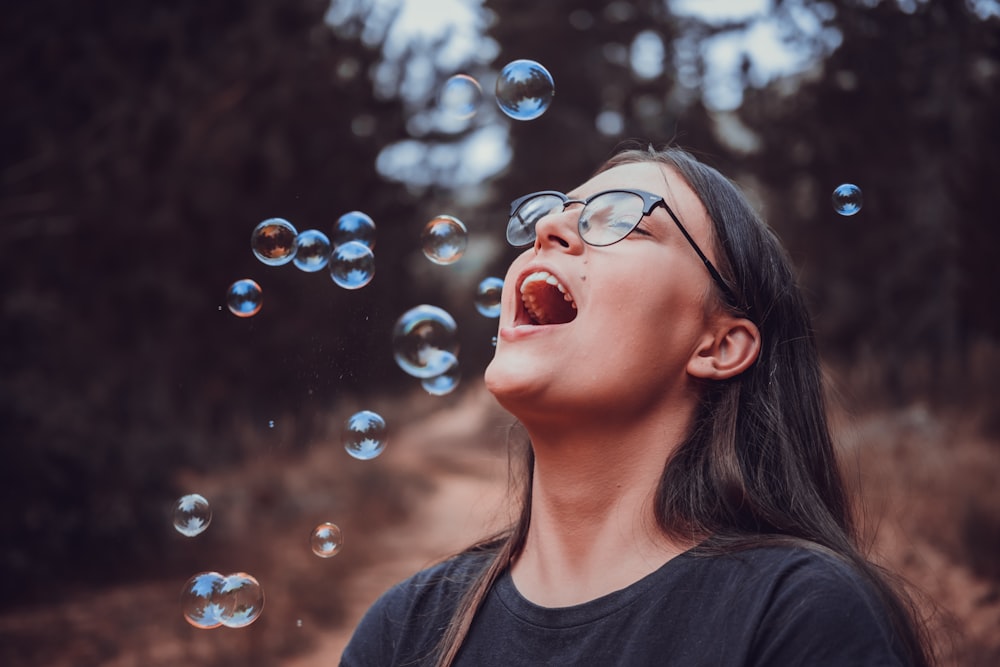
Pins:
x,y
141,143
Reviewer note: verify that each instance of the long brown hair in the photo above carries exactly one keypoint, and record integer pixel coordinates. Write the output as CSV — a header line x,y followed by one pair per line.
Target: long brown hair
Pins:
x,y
758,466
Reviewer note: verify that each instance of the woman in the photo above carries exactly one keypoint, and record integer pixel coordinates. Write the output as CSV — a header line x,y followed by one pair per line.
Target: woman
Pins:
x,y
683,504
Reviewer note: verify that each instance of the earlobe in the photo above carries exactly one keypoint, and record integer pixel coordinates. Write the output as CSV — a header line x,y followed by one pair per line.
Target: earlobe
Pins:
x,y
728,351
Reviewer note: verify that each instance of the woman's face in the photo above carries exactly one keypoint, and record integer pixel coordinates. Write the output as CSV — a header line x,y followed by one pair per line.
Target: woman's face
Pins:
x,y
623,320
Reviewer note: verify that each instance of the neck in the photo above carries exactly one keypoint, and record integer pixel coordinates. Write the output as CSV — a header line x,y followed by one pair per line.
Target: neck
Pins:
x,y
592,529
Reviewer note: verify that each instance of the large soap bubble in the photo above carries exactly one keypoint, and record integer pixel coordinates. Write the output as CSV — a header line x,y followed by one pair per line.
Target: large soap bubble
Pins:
x,y
365,435
444,239
847,199
273,241
312,250
244,298
425,341
354,226
352,265
524,90
192,514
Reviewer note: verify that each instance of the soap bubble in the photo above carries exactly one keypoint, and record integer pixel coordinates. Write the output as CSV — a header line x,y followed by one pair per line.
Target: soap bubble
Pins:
x,y
524,90
326,540
445,383
244,298
365,435
444,240
424,340
312,250
200,600
192,514
240,600
273,241
847,199
488,296
352,265
460,96
354,226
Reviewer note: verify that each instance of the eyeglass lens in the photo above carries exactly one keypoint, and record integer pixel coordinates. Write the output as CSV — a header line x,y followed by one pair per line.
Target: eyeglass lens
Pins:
x,y
604,220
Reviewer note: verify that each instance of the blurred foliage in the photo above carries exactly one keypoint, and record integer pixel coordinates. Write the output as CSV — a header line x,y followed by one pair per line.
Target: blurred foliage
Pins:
x,y
141,143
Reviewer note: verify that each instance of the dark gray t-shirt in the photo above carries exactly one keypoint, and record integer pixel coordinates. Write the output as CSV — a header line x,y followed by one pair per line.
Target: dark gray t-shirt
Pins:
x,y
770,606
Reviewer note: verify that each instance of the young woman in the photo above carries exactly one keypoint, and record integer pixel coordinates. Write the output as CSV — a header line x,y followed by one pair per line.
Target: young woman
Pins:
x,y
682,501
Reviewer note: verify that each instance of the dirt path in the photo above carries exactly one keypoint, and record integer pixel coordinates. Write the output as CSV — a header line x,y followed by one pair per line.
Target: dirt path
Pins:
x,y
467,502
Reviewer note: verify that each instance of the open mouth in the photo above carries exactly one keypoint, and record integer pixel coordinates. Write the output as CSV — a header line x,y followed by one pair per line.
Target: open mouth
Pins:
x,y
545,299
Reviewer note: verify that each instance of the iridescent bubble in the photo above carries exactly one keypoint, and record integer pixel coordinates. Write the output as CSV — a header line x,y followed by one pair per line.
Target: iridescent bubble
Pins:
x,y
270,423
354,226
312,250
273,241
443,384
444,239
240,600
488,296
244,298
365,435
424,341
352,265
326,540
192,514
460,97
200,600
847,199
524,90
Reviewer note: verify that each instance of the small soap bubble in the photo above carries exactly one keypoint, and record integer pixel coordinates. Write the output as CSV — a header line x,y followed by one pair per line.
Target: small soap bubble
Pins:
x,y
847,199
460,97
244,298
326,540
424,340
200,600
298,623
354,226
488,296
192,514
352,265
444,240
270,423
312,250
445,383
273,241
365,435
240,600
524,90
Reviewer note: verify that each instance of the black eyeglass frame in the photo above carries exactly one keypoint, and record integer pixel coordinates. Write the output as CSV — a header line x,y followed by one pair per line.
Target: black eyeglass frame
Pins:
x,y
649,200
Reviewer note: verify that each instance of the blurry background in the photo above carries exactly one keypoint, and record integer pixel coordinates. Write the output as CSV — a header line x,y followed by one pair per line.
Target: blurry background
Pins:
x,y
141,143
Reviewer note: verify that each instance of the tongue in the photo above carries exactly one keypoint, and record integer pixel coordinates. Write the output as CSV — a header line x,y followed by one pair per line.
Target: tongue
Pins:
x,y
545,304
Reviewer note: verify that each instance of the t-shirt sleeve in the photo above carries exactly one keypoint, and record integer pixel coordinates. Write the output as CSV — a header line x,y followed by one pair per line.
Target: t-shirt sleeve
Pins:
x,y
824,614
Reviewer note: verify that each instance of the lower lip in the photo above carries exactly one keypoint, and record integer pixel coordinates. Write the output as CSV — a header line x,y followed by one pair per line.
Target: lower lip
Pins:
x,y
523,331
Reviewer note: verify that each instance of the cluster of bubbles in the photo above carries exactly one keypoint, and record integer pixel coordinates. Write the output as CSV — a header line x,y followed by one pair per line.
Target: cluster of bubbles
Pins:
x,y
524,90
348,257
210,599
847,199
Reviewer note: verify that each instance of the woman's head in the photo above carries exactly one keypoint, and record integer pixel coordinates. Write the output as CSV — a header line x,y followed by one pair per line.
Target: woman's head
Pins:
x,y
613,311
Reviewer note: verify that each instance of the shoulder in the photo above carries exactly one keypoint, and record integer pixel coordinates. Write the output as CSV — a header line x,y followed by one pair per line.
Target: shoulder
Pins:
x,y
409,618
811,606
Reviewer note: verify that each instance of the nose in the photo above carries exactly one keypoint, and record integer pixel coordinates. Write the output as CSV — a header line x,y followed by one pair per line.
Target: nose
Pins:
x,y
559,228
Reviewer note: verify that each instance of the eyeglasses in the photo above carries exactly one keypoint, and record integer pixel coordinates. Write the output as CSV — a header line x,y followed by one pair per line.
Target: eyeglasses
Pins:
x,y
606,218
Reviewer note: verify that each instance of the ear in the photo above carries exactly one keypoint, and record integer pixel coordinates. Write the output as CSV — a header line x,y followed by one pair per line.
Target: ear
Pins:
x,y
727,350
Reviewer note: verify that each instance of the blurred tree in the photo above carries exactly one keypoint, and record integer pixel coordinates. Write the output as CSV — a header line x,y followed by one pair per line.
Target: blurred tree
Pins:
x,y
141,145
